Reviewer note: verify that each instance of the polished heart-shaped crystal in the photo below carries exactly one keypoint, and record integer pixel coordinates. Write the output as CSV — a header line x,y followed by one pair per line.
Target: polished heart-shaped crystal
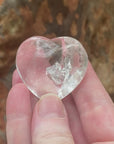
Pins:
x,y
51,66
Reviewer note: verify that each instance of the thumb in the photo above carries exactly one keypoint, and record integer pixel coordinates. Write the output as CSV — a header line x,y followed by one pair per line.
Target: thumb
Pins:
x,y
50,122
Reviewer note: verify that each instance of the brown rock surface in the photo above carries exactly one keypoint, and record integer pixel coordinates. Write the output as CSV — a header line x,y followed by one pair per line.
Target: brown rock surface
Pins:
x,y
3,95
98,38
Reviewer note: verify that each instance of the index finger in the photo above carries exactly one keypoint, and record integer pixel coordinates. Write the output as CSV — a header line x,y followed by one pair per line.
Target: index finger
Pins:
x,y
95,108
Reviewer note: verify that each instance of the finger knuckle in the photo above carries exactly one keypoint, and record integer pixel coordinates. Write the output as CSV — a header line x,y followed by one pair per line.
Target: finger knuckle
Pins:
x,y
55,137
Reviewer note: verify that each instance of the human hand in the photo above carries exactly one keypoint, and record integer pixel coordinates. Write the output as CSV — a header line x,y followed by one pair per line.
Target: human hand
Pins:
x,y
84,117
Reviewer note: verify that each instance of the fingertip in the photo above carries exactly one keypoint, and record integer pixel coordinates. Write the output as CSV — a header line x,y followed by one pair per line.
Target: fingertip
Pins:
x,y
18,101
16,78
91,71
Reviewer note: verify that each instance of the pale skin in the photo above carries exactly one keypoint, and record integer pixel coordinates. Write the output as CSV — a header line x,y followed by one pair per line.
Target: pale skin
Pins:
x,y
84,117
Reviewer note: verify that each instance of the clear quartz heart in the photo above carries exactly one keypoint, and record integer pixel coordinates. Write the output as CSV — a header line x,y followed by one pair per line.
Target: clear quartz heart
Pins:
x,y
51,66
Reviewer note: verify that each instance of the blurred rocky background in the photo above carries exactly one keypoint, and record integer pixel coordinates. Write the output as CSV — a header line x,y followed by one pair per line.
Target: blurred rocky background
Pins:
x,y
90,21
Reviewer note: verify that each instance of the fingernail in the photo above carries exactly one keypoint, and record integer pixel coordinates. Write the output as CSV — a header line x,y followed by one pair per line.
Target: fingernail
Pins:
x,y
50,106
